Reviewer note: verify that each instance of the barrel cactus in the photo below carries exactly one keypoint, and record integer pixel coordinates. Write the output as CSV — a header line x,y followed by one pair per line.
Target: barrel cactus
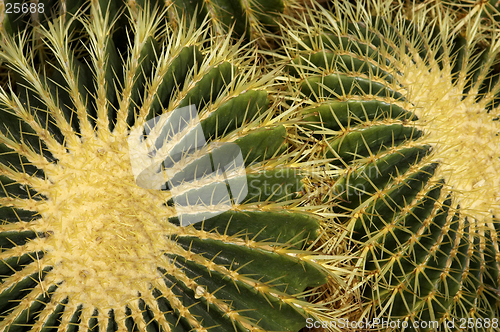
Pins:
x,y
250,19
485,12
406,111
148,187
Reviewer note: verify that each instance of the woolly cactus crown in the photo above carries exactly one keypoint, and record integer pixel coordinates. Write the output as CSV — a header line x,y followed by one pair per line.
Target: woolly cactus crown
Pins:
x,y
147,181
156,177
406,109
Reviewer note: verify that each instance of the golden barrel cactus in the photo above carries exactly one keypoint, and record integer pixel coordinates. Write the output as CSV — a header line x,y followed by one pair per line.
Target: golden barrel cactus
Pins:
x,y
405,107
147,182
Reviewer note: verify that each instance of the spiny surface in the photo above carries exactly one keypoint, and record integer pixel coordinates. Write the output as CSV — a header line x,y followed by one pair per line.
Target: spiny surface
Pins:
x,y
406,111
89,240
104,230
465,138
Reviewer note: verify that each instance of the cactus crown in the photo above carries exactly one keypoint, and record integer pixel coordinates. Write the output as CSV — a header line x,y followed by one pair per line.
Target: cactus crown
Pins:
x,y
120,212
406,111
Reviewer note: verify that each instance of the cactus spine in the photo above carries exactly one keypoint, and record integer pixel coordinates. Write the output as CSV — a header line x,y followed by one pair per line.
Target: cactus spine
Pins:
x,y
406,111
84,244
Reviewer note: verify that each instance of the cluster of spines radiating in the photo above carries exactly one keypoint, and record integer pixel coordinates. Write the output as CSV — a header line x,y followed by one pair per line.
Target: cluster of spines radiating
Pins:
x,y
81,108
349,68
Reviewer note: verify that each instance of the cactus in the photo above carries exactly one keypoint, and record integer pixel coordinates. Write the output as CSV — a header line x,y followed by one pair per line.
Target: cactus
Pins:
x,y
249,18
151,187
483,12
406,112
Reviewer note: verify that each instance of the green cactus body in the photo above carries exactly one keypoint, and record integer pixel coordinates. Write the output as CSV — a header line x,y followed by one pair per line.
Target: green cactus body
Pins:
x,y
406,112
85,245
250,19
483,12
247,18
